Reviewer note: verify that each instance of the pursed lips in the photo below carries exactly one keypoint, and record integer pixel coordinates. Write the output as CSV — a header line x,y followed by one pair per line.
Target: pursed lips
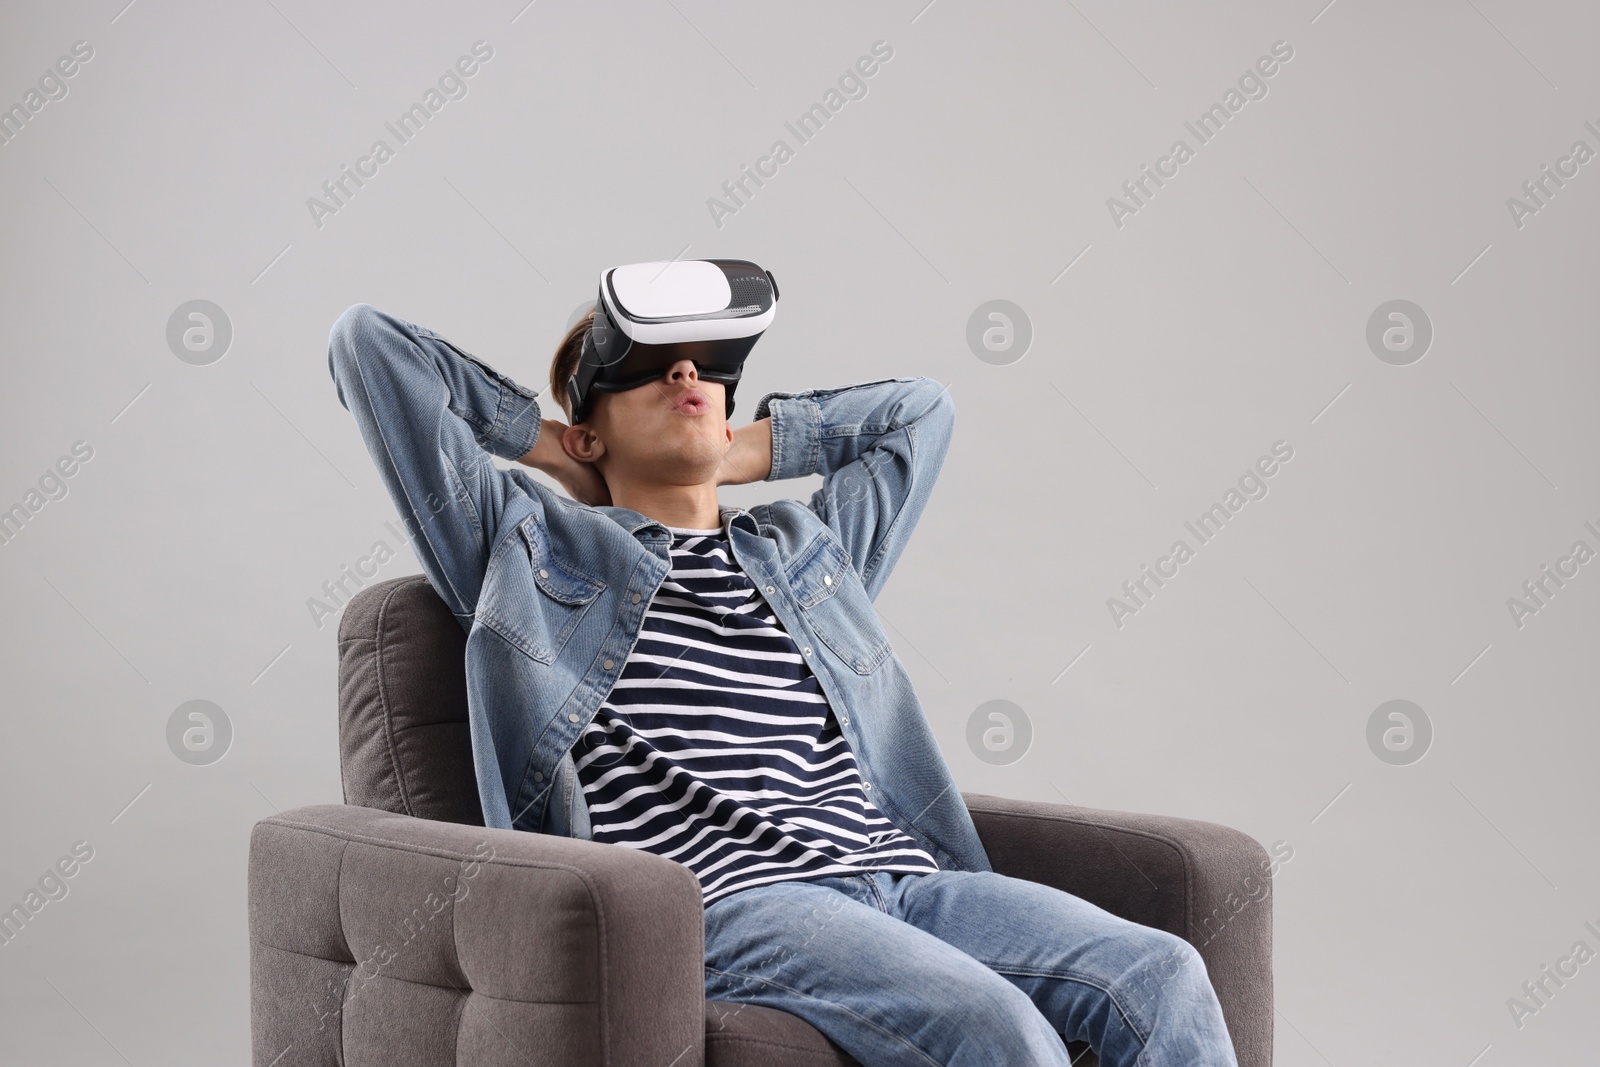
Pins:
x,y
691,402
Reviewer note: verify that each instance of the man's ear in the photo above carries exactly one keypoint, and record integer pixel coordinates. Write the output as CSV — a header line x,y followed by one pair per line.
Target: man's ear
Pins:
x,y
582,443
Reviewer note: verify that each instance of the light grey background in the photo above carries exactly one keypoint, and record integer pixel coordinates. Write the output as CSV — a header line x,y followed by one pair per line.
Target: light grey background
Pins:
x,y
1229,313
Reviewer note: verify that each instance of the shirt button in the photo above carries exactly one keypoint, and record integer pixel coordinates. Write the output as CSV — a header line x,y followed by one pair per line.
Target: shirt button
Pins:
x,y
827,579
637,598
808,650
543,573
572,716
868,786
608,664
538,776
769,588
847,722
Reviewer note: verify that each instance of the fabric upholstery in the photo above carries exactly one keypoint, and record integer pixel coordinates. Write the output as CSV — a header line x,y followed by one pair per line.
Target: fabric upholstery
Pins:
x,y
403,740
383,939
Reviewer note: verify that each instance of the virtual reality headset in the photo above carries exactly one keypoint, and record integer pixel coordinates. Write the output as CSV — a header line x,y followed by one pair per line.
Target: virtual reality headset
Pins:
x,y
651,315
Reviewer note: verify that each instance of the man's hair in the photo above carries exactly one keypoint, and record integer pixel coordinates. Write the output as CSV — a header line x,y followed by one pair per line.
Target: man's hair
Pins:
x,y
565,363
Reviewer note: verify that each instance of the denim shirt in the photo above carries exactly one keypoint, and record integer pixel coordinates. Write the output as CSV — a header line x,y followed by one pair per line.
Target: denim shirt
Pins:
x,y
552,592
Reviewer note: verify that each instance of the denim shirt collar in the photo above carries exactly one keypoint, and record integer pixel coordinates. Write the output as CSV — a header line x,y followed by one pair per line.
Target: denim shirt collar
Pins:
x,y
634,521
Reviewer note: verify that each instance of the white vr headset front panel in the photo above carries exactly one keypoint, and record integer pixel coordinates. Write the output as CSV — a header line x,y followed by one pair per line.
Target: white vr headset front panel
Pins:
x,y
668,289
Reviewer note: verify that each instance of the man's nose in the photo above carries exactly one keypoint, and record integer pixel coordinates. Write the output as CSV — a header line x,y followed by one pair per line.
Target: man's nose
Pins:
x,y
683,368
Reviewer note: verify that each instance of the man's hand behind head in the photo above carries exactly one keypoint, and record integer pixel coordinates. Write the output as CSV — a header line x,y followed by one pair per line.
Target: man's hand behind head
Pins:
x,y
582,481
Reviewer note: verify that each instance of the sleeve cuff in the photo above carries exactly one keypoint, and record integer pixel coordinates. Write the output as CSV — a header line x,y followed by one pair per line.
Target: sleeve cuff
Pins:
x,y
796,435
516,424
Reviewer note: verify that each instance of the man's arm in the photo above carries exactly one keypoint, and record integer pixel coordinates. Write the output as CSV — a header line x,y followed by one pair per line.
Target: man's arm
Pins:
x,y
430,415
749,459
879,447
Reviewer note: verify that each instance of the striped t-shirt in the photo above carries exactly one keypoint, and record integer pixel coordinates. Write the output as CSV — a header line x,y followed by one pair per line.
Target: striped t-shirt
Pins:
x,y
718,749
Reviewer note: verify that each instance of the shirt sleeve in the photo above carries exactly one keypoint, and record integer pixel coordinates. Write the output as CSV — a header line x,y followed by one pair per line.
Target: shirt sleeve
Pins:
x,y
431,415
879,447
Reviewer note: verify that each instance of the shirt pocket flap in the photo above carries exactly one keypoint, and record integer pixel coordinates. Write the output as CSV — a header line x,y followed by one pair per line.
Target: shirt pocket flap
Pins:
x,y
818,571
559,582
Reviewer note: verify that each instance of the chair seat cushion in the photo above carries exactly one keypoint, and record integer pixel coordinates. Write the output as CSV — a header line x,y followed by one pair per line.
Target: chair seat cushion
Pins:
x,y
749,1035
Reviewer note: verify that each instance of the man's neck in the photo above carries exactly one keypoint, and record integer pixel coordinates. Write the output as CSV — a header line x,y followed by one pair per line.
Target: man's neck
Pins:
x,y
693,507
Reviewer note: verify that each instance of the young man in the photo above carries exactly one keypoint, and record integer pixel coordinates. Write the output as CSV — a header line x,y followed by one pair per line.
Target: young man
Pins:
x,y
649,668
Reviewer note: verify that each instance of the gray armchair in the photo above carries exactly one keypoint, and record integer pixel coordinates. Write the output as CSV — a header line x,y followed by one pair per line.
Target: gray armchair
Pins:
x,y
395,929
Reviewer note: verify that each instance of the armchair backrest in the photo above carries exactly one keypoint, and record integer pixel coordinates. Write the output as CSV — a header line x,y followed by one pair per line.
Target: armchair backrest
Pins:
x,y
404,744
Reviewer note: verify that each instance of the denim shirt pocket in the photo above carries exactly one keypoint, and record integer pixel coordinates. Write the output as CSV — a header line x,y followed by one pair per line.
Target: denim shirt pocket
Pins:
x,y
835,603
536,601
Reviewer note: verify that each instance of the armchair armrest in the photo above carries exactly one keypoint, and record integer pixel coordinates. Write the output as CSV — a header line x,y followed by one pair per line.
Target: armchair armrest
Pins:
x,y
429,942
1207,883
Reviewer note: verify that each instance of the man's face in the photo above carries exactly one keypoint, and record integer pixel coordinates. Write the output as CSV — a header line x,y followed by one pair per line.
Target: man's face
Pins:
x,y
672,430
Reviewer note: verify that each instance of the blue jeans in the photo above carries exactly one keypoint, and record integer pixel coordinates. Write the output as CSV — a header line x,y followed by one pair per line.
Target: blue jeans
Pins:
x,y
964,967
